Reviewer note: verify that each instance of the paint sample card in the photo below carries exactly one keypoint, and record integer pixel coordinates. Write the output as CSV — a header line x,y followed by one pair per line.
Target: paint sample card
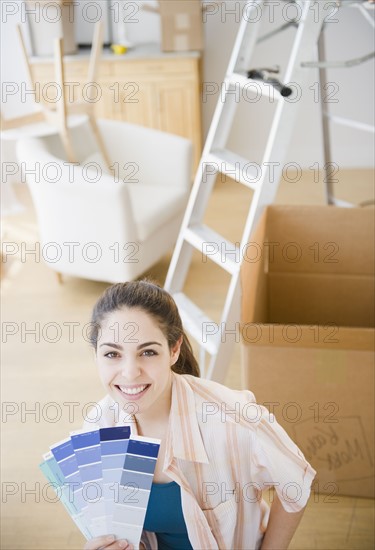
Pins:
x,y
103,477
87,450
66,459
114,445
52,472
135,487
57,479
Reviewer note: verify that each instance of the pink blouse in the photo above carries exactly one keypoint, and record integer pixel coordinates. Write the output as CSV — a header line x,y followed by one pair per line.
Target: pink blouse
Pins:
x,y
223,449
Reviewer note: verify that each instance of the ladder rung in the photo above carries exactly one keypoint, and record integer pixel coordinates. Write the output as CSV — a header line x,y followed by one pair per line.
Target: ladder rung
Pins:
x,y
214,246
236,167
201,327
254,86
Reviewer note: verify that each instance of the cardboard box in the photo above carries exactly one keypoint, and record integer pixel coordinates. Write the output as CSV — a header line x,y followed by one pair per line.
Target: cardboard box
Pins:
x,y
308,336
181,25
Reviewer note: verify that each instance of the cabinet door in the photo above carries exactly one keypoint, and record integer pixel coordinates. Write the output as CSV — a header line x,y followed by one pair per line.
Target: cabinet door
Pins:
x,y
157,93
136,102
178,111
76,87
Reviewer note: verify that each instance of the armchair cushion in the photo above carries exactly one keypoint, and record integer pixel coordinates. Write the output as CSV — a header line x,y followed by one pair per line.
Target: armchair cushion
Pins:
x,y
155,206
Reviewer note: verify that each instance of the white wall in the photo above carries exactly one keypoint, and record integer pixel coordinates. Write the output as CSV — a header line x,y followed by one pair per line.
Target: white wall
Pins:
x,y
348,35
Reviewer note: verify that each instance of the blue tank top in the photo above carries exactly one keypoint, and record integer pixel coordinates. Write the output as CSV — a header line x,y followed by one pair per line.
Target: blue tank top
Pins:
x,y
164,517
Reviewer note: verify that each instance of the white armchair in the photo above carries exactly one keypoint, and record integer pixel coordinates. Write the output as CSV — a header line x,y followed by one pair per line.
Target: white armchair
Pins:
x,y
104,226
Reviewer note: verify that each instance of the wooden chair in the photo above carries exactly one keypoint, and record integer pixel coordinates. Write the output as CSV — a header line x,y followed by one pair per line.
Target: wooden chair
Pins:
x,y
48,121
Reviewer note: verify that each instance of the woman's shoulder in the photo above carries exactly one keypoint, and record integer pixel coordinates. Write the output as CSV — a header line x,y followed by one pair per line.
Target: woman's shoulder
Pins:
x,y
215,402
217,391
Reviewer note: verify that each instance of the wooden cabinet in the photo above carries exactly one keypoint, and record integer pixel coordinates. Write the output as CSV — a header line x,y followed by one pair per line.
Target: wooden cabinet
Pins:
x,y
145,86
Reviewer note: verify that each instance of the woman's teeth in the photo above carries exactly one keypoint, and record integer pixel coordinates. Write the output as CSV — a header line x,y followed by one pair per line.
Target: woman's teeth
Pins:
x,y
133,391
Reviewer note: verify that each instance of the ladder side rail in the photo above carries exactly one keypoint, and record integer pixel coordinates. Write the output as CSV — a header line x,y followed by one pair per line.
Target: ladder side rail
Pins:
x,y
222,119
327,151
183,251
174,282
229,332
246,38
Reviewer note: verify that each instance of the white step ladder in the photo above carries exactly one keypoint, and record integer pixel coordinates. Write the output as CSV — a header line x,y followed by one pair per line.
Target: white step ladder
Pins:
x,y
217,159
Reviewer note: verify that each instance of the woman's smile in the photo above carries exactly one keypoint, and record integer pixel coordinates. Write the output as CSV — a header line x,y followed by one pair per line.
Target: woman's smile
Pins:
x,y
133,393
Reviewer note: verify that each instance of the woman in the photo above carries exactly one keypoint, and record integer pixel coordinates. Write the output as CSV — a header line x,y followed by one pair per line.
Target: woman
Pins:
x,y
218,450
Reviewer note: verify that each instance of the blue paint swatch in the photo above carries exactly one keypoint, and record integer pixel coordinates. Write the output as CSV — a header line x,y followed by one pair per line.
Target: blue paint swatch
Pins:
x,y
143,447
103,477
63,453
87,450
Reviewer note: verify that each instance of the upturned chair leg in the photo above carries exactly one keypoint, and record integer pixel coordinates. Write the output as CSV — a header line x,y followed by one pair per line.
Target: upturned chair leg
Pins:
x,y
99,140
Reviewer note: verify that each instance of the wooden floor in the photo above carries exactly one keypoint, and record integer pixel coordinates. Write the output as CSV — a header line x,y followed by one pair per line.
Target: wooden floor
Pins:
x,y
52,378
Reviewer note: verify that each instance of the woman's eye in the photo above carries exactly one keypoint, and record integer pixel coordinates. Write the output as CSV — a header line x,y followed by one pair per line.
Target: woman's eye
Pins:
x,y
149,352
111,354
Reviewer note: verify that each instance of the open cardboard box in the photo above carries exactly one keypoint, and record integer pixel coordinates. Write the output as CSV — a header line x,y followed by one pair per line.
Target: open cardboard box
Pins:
x,y
308,336
181,24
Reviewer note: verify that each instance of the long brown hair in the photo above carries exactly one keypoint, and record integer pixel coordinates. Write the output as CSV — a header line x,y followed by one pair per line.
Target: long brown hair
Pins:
x,y
159,304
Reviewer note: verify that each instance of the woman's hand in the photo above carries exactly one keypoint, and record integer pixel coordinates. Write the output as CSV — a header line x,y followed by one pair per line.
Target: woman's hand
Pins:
x,y
107,542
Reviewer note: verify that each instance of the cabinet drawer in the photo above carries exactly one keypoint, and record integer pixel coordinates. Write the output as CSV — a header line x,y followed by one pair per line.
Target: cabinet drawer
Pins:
x,y
75,71
154,67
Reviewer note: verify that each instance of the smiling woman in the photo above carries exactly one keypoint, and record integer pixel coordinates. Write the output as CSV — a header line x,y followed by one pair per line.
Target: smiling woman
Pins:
x,y
211,467
137,369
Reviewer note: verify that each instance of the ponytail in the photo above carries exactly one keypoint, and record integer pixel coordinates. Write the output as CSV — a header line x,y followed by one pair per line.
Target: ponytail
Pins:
x,y
186,362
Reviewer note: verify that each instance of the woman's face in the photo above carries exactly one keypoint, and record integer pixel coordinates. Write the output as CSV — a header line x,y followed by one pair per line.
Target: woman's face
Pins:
x,y
134,361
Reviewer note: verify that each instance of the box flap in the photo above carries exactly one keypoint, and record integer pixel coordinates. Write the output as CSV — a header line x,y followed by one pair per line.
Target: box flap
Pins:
x,y
341,300
301,293
311,336
254,280
320,239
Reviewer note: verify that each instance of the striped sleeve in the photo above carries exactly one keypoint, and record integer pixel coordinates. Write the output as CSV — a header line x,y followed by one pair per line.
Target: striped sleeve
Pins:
x,y
278,462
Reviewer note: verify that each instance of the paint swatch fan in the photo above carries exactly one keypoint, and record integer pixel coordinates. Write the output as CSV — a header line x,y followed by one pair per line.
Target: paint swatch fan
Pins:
x,y
103,478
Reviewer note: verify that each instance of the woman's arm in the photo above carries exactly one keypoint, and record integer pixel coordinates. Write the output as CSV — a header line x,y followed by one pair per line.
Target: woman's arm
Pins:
x,y
281,526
